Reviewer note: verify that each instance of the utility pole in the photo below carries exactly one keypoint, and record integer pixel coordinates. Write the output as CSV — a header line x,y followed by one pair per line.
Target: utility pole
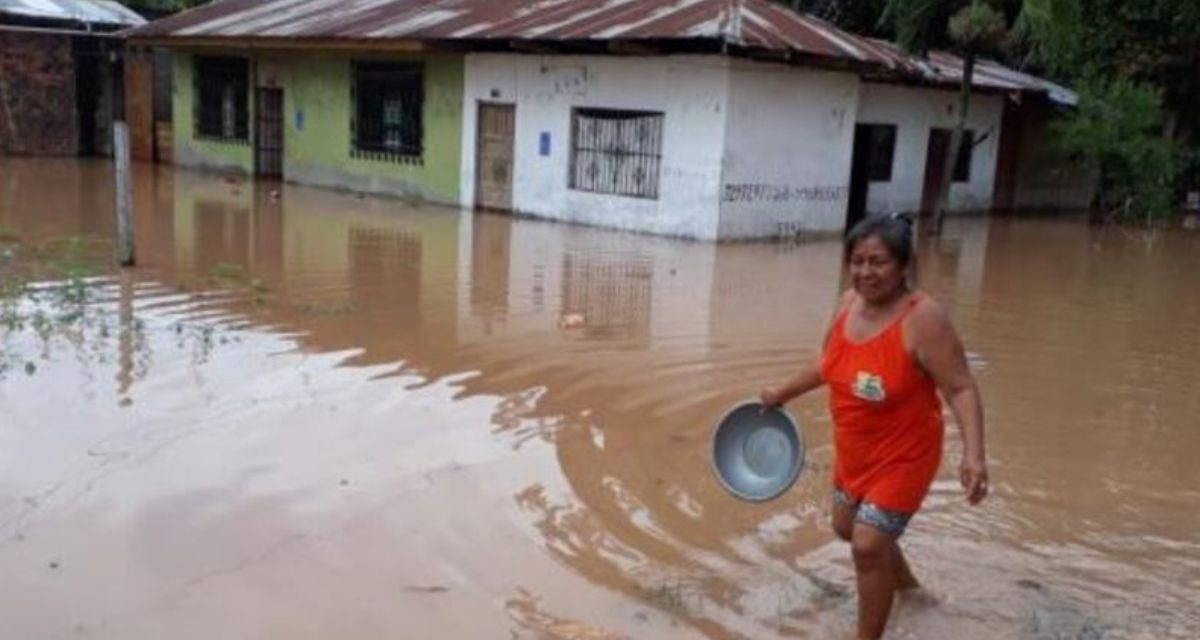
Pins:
x,y
124,177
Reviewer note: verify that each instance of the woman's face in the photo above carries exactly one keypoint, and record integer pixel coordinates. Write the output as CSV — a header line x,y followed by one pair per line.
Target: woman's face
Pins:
x,y
875,273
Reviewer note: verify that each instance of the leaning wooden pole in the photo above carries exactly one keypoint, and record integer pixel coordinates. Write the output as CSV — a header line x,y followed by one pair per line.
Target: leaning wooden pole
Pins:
x,y
124,177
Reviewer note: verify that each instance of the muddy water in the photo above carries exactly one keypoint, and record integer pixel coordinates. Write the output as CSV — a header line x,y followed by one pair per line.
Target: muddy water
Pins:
x,y
309,414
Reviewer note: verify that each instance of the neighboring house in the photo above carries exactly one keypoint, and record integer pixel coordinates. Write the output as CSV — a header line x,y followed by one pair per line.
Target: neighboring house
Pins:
x,y
59,75
706,119
1010,164
904,126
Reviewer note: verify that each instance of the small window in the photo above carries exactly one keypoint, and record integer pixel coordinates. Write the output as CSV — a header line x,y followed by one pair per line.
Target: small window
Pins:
x,y
882,150
616,151
222,98
962,164
387,123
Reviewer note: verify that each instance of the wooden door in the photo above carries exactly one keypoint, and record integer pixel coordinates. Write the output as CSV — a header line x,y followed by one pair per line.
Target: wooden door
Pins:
x,y
494,158
935,166
268,134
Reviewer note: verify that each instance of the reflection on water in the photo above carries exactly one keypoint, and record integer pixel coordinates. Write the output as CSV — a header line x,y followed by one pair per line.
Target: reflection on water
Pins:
x,y
471,426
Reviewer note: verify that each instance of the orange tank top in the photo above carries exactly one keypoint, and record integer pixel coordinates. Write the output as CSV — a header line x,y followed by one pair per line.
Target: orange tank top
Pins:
x,y
887,416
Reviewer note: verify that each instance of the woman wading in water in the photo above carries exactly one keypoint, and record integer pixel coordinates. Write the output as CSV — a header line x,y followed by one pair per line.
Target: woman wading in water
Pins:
x,y
888,353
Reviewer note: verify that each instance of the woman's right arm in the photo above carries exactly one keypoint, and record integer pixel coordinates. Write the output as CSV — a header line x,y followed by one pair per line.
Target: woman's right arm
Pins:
x,y
806,380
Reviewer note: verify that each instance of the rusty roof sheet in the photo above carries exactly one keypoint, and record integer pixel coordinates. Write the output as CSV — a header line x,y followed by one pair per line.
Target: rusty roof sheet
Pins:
x,y
748,24
941,68
740,25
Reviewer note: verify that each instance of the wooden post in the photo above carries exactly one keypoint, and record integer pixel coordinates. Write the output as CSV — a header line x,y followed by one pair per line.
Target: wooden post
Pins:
x,y
124,177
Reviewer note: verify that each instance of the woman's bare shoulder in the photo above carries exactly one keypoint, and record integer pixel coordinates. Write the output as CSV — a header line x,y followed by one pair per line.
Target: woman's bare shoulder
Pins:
x,y
929,318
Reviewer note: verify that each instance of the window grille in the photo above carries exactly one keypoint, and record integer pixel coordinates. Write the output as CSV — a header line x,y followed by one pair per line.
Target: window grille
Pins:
x,y
616,151
387,122
222,98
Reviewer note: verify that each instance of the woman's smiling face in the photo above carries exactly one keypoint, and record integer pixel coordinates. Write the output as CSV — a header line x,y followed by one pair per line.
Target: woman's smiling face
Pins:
x,y
875,273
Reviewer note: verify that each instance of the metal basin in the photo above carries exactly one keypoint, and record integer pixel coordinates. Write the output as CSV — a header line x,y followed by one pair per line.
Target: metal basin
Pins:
x,y
757,455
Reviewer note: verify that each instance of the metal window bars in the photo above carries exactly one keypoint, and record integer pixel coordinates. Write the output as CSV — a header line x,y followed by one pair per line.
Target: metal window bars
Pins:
x,y
388,117
616,152
222,103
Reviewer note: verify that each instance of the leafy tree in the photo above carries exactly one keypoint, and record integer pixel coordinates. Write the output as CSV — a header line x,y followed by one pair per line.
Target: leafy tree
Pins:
x,y
967,27
1134,62
856,16
1116,131
1135,65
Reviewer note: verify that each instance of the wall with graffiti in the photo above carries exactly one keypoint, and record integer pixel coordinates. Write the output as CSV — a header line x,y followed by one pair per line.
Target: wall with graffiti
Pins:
x,y
789,136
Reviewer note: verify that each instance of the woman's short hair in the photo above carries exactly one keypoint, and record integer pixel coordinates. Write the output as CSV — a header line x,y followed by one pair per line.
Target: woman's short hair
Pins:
x,y
894,230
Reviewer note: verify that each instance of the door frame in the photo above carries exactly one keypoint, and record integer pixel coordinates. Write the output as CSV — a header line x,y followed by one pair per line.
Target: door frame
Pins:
x,y
480,106
259,128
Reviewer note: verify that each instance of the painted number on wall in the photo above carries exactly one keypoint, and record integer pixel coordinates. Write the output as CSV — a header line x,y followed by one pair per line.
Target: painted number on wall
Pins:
x,y
782,193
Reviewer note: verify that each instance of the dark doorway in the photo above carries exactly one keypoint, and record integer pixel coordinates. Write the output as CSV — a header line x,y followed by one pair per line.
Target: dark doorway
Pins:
x,y
935,167
87,92
860,182
268,135
874,154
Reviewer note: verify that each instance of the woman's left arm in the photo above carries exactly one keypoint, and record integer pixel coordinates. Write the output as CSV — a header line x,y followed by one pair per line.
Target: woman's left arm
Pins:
x,y
940,353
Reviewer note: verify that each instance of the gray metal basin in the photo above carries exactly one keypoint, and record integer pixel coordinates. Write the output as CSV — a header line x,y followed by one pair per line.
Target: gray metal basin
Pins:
x,y
757,455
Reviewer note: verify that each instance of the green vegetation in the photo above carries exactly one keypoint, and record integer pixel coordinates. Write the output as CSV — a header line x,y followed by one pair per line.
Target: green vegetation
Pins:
x,y
1132,63
1115,131
64,295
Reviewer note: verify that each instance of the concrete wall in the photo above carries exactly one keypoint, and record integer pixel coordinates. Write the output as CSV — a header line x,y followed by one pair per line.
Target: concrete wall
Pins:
x,y
789,138
37,95
914,112
317,109
691,92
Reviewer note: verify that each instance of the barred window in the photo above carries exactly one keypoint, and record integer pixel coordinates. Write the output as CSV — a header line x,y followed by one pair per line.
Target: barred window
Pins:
x,y
616,151
222,110
387,122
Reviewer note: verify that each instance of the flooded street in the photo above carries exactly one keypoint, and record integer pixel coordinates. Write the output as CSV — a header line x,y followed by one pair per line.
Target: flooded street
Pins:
x,y
312,414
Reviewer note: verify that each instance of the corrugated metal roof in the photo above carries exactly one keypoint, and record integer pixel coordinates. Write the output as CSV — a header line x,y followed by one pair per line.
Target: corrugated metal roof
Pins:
x,y
88,11
943,68
749,24
743,25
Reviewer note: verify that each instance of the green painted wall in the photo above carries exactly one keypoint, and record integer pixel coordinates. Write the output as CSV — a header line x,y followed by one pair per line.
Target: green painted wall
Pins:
x,y
317,151
318,86
190,151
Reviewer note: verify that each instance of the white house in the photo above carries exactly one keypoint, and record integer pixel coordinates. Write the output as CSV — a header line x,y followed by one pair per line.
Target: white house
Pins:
x,y
702,147
734,147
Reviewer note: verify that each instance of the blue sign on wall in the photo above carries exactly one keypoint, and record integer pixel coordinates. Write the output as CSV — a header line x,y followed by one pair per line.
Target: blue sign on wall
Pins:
x,y
544,143
299,120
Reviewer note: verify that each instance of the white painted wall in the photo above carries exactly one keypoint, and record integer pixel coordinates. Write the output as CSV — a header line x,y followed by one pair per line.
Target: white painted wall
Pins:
x,y
690,90
915,111
789,139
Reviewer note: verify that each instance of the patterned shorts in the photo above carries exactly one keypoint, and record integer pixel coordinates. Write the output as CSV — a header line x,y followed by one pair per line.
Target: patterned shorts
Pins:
x,y
891,523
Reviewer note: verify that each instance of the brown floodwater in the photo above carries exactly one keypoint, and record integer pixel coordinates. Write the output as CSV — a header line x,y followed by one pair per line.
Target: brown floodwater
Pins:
x,y
310,414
